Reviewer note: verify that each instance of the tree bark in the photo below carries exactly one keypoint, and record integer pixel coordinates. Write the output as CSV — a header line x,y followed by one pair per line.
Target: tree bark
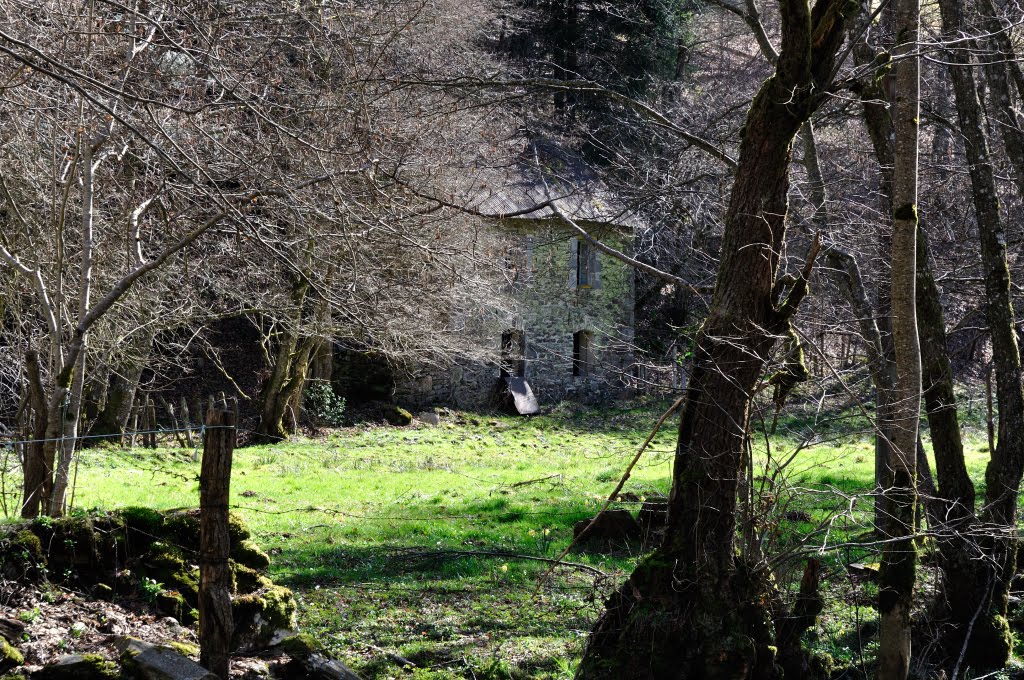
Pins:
x,y
216,625
690,606
899,558
113,418
990,644
38,470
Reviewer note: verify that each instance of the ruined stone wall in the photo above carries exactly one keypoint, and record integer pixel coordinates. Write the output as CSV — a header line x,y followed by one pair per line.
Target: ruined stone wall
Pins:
x,y
542,265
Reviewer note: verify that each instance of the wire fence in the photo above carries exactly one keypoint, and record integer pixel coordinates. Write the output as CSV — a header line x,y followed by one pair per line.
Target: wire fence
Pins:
x,y
178,464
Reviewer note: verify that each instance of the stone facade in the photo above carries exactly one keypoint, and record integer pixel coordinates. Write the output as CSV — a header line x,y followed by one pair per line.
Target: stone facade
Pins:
x,y
571,331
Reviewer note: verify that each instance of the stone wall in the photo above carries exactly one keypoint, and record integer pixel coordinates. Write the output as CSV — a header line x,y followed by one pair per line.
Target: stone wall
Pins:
x,y
550,307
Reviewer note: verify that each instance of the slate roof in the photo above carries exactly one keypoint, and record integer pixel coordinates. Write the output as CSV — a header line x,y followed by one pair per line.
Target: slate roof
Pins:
x,y
546,173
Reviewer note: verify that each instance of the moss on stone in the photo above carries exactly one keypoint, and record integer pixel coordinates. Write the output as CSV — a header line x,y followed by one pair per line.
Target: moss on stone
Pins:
x,y
9,656
396,415
172,603
165,564
258,615
299,646
183,648
184,525
146,521
80,667
247,580
27,541
249,554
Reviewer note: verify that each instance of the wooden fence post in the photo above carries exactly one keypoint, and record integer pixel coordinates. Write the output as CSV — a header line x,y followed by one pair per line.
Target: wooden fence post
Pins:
x,y
186,422
151,422
215,621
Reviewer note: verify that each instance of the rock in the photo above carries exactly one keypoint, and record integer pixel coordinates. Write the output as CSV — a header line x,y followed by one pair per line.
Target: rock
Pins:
x,y
396,415
322,668
861,570
297,646
9,656
248,553
430,418
611,528
11,629
260,616
309,661
250,669
651,518
151,662
79,667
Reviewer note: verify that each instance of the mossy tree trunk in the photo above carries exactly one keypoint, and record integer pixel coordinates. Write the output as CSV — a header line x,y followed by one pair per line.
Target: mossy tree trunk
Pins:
x,y
981,598
690,610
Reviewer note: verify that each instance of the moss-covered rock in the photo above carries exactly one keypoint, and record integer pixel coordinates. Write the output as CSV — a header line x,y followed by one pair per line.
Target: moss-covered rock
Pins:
x,y
79,667
298,646
9,656
143,526
184,526
260,615
23,558
247,580
396,415
249,554
172,603
184,648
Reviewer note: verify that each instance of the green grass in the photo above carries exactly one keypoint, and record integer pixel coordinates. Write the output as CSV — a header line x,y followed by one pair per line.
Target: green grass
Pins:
x,y
365,525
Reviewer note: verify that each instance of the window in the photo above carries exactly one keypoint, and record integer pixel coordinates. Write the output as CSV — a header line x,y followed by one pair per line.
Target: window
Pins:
x,y
581,353
513,354
584,264
584,256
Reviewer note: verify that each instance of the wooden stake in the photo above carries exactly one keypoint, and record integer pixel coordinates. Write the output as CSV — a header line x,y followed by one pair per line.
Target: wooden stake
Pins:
x,y
186,422
215,621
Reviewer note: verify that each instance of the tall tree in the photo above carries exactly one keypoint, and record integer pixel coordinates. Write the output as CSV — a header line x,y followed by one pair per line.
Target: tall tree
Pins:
x,y
899,558
983,629
700,612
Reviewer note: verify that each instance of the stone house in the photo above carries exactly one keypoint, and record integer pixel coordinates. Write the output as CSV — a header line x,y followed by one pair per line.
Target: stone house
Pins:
x,y
570,332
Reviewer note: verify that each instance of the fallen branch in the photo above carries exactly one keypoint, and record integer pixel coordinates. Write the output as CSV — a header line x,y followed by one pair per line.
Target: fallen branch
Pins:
x,y
397,658
527,482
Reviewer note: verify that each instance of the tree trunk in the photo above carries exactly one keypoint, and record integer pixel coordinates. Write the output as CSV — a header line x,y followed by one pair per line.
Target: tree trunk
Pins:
x,y
899,559
690,607
38,470
283,392
990,643
113,418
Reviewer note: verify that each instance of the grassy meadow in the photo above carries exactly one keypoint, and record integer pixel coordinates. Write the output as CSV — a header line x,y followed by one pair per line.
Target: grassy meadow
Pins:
x,y
409,548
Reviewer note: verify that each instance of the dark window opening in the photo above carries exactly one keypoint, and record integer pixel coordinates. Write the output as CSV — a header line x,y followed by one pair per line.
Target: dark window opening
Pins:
x,y
581,353
513,354
584,257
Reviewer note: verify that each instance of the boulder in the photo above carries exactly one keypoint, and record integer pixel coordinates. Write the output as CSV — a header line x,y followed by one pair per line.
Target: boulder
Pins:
x,y
396,415
609,529
152,662
308,660
429,418
260,617
79,667
651,518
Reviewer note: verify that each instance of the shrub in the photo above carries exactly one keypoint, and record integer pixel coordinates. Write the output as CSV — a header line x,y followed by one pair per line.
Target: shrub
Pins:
x,y
323,405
